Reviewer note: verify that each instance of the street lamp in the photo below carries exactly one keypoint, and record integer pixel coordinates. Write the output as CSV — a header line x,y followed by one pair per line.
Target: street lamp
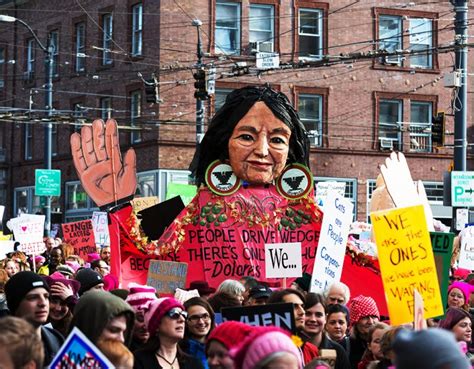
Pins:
x,y
48,129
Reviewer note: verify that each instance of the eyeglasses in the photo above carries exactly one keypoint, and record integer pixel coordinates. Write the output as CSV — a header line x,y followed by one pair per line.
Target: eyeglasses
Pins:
x,y
176,313
195,318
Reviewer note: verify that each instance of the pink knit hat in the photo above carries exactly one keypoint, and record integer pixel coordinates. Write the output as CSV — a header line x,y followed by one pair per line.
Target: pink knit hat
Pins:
x,y
362,306
464,287
157,310
140,296
461,273
262,346
230,333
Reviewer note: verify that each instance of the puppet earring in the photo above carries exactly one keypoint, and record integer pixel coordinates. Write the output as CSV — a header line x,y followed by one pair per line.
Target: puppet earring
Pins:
x,y
221,180
295,182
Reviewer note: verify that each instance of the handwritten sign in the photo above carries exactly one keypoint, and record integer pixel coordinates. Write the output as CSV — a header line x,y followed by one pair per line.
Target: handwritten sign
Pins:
x,y
166,276
279,315
323,189
406,262
79,352
442,244
101,228
28,230
283,260
466,254
140,203
81,236
332,242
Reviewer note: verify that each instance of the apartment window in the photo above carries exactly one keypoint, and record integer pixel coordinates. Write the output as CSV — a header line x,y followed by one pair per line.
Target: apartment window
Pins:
x,y
261,26
310,33
30,60
2,67
79,206
421,114
137,29
80,54
227,30
135,112
310,110
53,41
107,23
28,141
390,124
219,97
106,108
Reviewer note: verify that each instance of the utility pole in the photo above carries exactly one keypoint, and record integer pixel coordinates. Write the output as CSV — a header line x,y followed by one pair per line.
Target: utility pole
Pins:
x,y
199,104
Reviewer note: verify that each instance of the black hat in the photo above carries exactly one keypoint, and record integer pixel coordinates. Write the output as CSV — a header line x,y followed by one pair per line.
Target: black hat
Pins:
x,y
202,287
304,282
19,285
260,291
88,279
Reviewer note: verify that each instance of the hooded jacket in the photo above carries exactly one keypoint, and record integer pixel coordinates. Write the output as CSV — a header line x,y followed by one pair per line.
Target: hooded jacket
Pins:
x,y
94,311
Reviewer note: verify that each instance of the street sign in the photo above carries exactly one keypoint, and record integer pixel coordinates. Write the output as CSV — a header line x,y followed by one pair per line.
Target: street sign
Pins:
x,y
462,189
47,182
267,60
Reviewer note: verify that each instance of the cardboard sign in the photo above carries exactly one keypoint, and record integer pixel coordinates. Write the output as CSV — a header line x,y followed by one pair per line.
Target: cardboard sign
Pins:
x,y
6,246
283,260
28,230
406,262
185,191
166,276
79,352
420,321
466,254
101,228
279,315
81,236
324,188
140,203
338,214
442,244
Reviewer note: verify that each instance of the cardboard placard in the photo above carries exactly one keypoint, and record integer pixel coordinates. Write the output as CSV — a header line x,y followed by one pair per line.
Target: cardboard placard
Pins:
x,y
166,276
79,352
442,244
81,236
406,262
279,315
466,254
283,260
28,230
338,214
101,228
140,203
6,246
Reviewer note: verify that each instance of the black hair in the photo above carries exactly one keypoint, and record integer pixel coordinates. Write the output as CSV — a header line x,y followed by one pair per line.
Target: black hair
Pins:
x,y
313,299
277,296
338,308
199,301
214,145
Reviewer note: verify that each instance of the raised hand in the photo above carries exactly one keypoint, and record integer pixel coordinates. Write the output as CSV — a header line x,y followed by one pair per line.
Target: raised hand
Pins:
x,y
98,161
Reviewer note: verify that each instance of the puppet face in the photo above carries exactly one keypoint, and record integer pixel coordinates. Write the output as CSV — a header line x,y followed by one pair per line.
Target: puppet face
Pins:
x,y
259,145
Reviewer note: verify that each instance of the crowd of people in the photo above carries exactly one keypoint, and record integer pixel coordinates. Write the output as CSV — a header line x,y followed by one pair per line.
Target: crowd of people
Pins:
x,y
137,328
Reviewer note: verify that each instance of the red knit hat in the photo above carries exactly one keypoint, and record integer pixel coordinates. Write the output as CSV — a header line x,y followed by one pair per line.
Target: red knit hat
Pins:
x,y
362,306
157,310
140,296
230,333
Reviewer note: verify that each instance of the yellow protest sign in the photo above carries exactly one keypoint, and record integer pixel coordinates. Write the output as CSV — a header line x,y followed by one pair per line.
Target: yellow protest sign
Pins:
x,y
140,203
406,262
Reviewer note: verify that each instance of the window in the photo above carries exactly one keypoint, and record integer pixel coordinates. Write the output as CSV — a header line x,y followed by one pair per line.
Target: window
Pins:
x,y
78,113
107,22
219,97
106,108
28,141
135,112
310,110
30,60
78,205
261,26
80,40
2,67
310,33
390,124
421,114
53,42
137,29
420,39
227,34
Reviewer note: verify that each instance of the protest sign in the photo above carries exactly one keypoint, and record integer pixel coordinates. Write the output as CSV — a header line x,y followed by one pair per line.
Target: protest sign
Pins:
x,y
442,244
466,253
323,189
2,210
406,262
80,235
338,214
101,228
166,276
79,352
140,203
283,260
28,230
182,295
419,316
279,315
185,191
6,246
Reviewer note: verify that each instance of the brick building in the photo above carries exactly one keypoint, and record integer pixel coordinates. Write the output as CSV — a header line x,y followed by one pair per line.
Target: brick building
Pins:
x,y
355,111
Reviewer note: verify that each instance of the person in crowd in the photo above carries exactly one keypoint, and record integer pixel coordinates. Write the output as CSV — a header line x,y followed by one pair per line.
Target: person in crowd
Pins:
x,y
386,347
56,258
459,294
105,254
363,314
267,347
66,271
296,298
3,300
199,323
101,267
318,364
302,283
259,295
432,348
459,322
67,249
205,291
89,280
39,261
221,300
248,282
166,320
222,340
315,320
11,266
337,323
28,298
232,287
20,346
337,293
373,352
140,298
117,353
460,274
101,315
49,242
21,259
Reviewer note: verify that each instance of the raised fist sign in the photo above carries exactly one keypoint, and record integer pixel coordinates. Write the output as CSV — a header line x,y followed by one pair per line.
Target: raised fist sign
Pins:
x,y
107,179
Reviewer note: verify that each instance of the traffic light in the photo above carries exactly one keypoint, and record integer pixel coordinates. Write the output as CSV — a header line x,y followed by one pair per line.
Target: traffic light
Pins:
x,y
438,128
200,85
151,91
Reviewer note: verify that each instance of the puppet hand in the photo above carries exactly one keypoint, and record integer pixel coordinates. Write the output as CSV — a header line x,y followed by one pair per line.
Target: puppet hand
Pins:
x,y
97,158
424,200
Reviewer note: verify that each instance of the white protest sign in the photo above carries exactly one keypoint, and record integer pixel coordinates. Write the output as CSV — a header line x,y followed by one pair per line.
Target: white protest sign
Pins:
x,y
283,260
332,242
5,248
324,188
466,255
100,227
462,218
28,230
2,210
